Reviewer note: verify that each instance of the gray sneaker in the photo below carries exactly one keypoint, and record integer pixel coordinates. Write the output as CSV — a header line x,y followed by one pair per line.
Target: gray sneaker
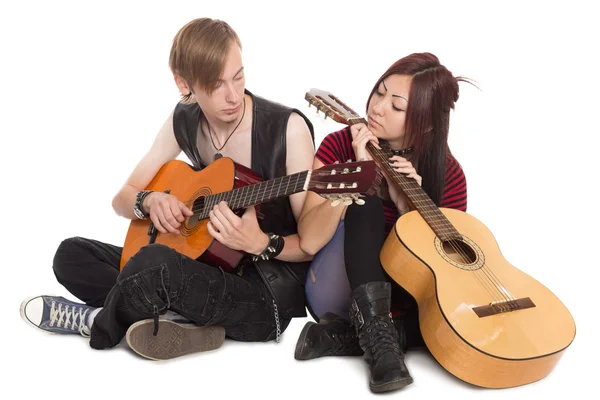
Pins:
x,y
172,339
56,314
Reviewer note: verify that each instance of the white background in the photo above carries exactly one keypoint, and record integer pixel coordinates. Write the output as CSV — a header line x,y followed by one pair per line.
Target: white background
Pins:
x,y
84,89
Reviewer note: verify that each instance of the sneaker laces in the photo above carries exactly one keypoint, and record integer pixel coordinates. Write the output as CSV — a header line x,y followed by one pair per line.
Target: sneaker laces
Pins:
x,y
65,316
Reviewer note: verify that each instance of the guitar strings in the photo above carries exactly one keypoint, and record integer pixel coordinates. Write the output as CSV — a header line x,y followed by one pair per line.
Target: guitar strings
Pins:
x,y
489,280
486,283
244,195
494,282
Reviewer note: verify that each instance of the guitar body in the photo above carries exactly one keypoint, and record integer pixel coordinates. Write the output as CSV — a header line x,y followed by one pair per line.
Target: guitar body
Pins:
x,y
189,186
490,347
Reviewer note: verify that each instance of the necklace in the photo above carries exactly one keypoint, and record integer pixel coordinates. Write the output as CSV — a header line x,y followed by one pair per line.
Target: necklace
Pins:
x,y
218,153
402,152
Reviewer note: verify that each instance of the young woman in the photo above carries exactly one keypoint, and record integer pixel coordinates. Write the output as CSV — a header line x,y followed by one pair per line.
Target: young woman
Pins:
x,y
408,114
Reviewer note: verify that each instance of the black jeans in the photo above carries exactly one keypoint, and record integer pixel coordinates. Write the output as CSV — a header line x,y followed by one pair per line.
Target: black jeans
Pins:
x,y
156,279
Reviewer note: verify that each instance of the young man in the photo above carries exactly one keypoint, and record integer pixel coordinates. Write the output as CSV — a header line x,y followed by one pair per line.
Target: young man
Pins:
x,y
217,117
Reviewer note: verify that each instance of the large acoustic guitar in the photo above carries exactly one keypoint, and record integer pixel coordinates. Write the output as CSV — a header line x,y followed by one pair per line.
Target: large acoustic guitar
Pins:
x,y
483,320
240,187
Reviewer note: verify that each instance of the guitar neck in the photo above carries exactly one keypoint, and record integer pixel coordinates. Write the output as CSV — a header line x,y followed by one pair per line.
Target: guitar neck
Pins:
x,y
258,193
415,193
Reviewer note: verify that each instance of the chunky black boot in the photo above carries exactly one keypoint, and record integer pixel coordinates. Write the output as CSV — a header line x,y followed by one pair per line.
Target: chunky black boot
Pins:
x,y
377,336
332,336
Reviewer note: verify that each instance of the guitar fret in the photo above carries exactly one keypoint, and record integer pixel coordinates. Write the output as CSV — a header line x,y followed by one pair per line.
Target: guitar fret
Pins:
x,y
272,187
287,185
252,194
296,185
232,196
246,191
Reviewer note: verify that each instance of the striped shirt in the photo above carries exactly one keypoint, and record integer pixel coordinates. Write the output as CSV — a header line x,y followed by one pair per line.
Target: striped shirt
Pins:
x,y
337,146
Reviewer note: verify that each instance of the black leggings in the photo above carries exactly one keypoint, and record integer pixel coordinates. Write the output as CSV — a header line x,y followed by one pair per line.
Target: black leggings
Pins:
x,y
363,240
364,237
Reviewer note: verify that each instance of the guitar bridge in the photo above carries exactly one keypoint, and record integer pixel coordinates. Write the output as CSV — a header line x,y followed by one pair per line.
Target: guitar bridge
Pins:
x,y
503,306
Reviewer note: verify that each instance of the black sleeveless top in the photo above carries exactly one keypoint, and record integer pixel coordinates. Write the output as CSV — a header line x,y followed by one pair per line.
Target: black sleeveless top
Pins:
x,y
269,125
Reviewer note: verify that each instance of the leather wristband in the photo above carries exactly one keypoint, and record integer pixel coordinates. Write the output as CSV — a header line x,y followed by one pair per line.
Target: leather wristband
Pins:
x,y
139,203
272,250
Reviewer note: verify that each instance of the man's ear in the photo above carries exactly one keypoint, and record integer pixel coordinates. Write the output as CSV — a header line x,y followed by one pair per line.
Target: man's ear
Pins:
x,y
182,85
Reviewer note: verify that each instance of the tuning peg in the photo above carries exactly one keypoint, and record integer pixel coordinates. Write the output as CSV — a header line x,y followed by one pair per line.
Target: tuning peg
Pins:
x,y
358,200
347,201
333,198
336,162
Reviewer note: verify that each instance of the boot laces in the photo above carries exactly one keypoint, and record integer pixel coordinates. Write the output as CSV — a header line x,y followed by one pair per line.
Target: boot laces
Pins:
x,y
344,343
382,337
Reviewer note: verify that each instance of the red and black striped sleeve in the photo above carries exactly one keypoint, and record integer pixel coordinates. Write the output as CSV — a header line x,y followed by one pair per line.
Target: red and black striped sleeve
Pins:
x,y
455,188
336,146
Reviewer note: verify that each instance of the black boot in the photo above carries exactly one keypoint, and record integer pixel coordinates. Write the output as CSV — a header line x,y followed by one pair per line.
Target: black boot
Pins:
x,y
377,336
332,336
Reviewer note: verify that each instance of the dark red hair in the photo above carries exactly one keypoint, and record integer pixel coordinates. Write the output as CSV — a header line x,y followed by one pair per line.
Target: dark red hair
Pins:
x,y
433,92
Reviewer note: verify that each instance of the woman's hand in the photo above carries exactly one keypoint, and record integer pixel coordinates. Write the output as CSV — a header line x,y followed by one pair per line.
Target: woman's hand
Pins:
x,y
361,135
403,166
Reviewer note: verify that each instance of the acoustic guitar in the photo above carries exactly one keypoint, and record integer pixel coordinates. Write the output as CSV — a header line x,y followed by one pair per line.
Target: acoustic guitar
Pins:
x,y
482,319
240,187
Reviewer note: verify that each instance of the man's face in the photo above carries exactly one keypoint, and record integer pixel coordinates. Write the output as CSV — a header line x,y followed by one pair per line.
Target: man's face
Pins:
x,y
225,102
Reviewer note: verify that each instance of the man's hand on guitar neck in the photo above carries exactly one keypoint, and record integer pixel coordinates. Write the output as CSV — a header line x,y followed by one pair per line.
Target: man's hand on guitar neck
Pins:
x,y
237,233
166,211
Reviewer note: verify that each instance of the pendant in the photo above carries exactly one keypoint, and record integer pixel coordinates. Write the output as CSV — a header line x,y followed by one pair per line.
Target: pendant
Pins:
x,y
218,155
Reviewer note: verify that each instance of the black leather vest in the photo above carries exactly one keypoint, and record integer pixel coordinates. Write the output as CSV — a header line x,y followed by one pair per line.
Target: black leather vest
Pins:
x,y
285,280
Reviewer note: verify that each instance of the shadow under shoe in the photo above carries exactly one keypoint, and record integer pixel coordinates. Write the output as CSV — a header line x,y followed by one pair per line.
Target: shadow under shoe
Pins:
x,y
172,339
370,315
332,336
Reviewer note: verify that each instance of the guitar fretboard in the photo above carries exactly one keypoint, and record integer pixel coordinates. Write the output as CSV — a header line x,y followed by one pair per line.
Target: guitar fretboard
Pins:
x,y
430,212
254,194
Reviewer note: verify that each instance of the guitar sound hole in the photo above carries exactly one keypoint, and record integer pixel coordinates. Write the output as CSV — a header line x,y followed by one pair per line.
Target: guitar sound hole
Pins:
x,y
197,208
459,252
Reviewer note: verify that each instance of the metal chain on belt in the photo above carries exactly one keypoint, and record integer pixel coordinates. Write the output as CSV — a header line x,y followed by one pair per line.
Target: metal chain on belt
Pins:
x,y
278,333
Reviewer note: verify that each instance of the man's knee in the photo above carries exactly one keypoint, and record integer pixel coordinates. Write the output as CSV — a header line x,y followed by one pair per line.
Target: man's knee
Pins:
x,y
65,254
150,256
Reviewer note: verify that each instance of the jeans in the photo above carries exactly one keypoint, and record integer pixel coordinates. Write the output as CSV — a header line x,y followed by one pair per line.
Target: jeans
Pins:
x,y
157,279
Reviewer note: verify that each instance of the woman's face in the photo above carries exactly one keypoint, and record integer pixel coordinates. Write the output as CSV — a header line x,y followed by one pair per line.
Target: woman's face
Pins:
x,y
387,109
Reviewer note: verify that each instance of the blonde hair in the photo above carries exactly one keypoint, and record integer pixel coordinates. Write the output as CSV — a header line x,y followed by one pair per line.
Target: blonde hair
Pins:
x,y
199,52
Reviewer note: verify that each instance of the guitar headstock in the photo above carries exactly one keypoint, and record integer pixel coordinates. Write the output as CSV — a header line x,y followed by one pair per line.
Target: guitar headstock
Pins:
x,y
345,182
331,106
